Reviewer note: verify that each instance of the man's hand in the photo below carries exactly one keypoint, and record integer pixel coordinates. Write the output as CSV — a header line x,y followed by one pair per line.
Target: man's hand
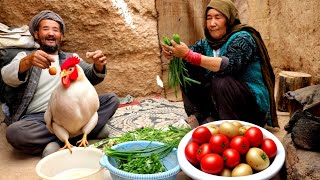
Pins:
x,y
99,59
37,58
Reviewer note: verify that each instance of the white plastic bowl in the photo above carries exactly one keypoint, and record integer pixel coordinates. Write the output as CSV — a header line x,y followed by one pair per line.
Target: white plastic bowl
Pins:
x,y
268,173
82,164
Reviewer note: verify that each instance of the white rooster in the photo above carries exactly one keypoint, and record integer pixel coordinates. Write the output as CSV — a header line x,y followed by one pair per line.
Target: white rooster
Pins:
x,y
72,108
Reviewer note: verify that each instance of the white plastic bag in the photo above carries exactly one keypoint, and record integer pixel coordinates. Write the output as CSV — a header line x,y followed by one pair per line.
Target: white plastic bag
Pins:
x,y
16,37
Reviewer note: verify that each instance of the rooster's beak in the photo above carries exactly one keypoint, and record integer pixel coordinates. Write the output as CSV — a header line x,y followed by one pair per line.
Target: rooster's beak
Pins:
x,y
64,73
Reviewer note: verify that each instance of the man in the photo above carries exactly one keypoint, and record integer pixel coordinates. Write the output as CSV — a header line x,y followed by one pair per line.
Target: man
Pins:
x,y
28,75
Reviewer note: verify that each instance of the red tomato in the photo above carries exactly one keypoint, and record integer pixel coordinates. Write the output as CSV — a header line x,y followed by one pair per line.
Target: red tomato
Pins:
x,y
269,147
219,143
231,157
212,163
201,135
255,136
241,144
190,152
203,150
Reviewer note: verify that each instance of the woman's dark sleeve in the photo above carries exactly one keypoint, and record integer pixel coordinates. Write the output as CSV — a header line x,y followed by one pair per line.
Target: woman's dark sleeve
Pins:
x,y
240,52
198,47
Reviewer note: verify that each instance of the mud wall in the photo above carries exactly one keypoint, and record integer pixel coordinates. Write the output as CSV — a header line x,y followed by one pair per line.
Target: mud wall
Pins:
x,y
128,31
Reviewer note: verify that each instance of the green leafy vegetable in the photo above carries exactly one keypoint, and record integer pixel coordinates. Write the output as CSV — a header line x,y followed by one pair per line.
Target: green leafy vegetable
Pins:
x,y
169,135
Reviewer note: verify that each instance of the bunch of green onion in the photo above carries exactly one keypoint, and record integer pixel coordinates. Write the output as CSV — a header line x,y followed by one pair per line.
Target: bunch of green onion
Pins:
x,y
140,161
178,74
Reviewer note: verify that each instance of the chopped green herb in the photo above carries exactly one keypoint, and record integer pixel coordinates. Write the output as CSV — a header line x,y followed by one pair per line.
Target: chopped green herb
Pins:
x,y
143,165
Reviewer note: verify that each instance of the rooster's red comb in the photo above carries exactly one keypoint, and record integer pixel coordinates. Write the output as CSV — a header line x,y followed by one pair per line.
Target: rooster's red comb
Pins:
x,y
71,61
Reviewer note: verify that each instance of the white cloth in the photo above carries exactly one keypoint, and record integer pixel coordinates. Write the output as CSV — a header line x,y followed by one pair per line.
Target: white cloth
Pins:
x,y
16,37
5,109
216,52
47,83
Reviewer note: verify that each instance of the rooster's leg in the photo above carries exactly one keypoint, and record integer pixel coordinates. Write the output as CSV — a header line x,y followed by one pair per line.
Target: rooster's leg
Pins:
x,y
67,145
87,129
63,135
83,142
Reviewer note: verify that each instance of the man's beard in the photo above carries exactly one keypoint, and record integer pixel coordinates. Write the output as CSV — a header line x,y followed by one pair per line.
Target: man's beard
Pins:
x,y
49,49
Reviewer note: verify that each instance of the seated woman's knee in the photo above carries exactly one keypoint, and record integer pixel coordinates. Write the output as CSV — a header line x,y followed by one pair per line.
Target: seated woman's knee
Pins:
x,y
221,83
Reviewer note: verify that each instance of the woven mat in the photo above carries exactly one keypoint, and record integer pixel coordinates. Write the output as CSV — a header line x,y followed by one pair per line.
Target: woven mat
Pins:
x,y
155,112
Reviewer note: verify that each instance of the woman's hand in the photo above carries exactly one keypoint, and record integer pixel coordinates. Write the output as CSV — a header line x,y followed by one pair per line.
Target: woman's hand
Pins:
x,y
99,59
166,52
177,50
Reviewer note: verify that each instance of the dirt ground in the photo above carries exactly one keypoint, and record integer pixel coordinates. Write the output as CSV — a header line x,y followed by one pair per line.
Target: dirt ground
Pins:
x,y
14,165
17,166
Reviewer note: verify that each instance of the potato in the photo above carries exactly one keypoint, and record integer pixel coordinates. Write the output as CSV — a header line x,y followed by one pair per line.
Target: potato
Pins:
x,y
257,159
225,172
242,169
229,129
243,130
237,123
214,129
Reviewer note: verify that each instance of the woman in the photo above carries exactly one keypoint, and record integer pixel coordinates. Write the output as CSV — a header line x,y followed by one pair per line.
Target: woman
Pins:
x,y
233,66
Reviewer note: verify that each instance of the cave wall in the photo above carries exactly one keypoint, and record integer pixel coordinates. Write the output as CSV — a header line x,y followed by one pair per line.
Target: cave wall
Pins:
x,y
129,31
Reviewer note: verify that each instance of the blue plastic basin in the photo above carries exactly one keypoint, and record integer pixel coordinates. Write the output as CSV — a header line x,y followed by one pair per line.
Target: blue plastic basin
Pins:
x,y
170,162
